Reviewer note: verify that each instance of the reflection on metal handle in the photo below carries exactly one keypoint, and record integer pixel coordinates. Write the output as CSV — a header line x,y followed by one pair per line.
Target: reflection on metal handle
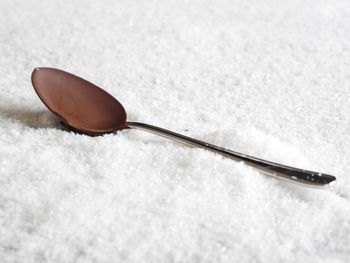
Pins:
x,y
270,168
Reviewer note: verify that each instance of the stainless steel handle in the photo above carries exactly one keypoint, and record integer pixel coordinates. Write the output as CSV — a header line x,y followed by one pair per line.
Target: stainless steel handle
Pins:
x,y
270,168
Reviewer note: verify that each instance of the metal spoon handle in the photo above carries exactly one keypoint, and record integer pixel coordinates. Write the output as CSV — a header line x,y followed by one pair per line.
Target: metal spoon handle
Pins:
x,y
270,168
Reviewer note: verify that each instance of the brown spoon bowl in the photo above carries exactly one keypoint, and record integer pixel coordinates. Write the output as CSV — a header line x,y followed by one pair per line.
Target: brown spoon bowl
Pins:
x,y
77,102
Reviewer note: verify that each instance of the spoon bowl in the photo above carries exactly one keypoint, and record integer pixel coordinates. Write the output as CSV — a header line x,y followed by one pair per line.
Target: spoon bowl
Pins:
x,y
77,102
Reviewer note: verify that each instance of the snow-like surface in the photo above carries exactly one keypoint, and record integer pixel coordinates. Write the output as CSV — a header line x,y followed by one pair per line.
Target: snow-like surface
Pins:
x,y
267,78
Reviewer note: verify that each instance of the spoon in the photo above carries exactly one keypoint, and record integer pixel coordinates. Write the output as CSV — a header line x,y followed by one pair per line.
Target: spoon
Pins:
x,y
88,109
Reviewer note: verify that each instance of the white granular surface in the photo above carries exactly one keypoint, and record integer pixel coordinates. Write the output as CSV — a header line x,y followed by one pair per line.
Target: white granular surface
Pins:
x,y
266,78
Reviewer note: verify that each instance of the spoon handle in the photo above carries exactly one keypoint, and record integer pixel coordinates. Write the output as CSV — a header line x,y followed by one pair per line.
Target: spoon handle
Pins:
x,y
270,168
